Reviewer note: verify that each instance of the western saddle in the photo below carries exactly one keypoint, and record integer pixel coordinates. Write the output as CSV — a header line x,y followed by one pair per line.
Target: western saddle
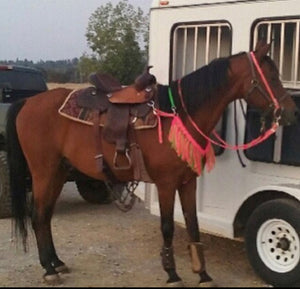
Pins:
x,y
122,106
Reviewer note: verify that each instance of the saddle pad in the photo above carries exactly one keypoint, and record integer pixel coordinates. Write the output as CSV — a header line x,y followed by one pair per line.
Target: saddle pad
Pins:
x,y
71,110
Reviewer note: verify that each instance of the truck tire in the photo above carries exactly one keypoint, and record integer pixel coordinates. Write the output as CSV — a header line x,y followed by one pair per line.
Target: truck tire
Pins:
x,y
273,242
5,199
93,191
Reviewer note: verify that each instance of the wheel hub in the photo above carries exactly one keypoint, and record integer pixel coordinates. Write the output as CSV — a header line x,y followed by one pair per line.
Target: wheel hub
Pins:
x,y
278,245
284,244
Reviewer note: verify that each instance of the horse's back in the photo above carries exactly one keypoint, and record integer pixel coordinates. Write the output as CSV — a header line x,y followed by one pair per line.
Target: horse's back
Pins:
x,y
48,99
38,122
42,107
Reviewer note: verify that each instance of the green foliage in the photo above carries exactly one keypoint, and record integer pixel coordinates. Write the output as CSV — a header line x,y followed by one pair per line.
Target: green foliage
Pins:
x,y
118,37
61,71
86,65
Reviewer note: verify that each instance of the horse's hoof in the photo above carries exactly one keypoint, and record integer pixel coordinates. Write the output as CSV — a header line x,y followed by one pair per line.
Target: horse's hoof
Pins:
x,y
208,284
63,269
175,284
53,279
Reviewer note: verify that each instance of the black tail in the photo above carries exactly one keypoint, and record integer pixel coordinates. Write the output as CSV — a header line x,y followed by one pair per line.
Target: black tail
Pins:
x,y
17,172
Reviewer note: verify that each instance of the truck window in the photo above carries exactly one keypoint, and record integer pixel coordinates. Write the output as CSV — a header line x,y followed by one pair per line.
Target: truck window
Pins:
x,y
17,83
285,35
22,80
194,45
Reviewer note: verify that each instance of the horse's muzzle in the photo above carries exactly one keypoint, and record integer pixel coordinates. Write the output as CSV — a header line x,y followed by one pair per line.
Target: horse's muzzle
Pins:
x,y
289,117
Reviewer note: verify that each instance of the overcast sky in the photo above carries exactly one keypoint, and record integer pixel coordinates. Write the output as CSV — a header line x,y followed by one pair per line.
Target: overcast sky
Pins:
x,y
48,29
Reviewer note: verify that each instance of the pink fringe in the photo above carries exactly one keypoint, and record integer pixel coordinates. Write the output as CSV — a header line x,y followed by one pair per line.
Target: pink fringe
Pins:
x,y
189,150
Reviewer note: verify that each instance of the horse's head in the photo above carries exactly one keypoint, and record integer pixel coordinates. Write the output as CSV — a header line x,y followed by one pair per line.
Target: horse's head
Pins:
x,y
263,89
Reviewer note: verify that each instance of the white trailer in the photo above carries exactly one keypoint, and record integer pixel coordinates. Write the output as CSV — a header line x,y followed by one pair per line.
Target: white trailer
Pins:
x,y
258,202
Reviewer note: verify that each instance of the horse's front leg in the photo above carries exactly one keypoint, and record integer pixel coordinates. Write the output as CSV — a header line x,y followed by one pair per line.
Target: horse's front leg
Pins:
x,y
166,202
187,194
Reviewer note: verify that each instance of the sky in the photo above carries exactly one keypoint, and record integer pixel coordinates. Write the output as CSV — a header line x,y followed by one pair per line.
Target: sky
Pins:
x,y
48,29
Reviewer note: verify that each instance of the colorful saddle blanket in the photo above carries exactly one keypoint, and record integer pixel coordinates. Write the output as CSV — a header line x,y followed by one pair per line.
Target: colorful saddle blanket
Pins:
x,y
71,110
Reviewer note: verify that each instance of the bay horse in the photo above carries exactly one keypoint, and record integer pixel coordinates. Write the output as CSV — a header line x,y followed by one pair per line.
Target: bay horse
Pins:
x,y
41,140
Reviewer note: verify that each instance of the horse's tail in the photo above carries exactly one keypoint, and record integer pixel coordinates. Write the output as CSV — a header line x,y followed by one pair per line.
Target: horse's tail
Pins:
x,y
17,172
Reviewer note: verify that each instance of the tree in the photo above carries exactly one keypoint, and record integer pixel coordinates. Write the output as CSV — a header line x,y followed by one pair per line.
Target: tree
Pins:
x,y
117,36
86,65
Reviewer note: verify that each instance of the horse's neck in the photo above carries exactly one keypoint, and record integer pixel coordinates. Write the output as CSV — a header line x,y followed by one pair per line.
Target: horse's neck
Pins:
x,y
208,114
213,110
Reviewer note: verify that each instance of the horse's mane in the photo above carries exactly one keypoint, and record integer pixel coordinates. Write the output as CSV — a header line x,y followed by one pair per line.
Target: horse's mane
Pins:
x,y
197,86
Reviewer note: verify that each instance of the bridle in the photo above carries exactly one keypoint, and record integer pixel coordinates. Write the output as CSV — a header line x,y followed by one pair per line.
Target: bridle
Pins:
x,y
255,84
266,93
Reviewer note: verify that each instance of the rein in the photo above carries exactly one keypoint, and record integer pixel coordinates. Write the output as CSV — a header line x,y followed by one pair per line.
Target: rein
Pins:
x,y
185,145
222,143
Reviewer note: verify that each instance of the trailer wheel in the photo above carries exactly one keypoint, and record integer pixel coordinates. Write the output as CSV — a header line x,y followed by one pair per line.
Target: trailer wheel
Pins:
x,y
5,199
93,191
273,242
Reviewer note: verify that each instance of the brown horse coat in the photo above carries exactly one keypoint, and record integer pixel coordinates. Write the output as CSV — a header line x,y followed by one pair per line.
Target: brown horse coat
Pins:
x,y
47,140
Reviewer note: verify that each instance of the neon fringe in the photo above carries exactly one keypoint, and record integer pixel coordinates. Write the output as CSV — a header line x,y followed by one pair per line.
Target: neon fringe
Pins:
x,y
188,149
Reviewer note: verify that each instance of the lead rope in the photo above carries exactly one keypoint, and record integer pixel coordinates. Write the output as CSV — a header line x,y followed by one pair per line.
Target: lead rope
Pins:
x,y
195,150
222,143
238,152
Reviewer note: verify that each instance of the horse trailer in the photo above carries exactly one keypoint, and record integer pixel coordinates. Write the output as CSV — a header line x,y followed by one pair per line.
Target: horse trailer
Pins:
x,y
251,195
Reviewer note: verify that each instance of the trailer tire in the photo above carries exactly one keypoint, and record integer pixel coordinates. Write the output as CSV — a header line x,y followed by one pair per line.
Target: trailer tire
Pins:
x,y
93,191
5,198
273,242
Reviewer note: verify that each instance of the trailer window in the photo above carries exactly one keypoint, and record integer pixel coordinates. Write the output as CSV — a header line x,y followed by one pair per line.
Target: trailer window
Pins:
x,y
195,45
264,151
285,37
283,147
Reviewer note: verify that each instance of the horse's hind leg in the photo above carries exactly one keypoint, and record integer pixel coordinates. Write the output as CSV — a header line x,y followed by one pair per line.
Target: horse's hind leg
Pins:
x,y
187,194
166,202
46,190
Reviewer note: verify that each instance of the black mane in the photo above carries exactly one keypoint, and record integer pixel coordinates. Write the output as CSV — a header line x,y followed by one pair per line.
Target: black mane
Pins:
x,y
197,86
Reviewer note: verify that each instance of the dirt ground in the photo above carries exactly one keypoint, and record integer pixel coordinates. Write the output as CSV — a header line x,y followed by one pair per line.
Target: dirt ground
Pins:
x,y
105,247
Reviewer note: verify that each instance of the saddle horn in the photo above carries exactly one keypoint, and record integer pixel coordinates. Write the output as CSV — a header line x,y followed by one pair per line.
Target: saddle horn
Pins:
x,y
145,79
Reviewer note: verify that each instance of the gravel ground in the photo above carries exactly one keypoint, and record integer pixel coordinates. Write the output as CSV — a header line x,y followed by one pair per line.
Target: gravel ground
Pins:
x,y
105,247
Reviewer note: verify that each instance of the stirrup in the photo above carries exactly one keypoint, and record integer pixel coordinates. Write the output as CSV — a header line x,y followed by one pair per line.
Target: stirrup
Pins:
x,y
116,167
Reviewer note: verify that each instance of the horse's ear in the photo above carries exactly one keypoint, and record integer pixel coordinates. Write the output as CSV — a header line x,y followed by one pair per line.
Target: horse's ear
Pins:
x,y
259,44
261,49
